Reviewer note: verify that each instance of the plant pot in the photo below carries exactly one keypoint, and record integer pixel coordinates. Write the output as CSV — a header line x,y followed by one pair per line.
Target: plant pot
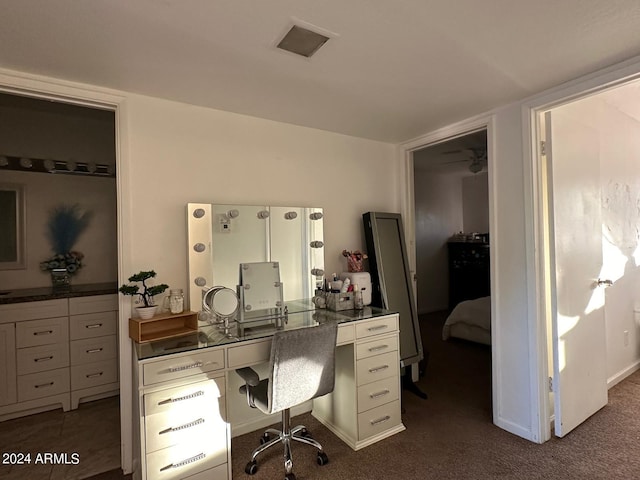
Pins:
x,y
146,313
60,278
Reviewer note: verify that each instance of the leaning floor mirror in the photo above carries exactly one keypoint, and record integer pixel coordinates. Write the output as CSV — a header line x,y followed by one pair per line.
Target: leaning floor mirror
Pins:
x,y
221,237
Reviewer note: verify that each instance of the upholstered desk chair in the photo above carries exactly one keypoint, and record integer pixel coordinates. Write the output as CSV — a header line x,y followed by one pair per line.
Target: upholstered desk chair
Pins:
x,y
302,367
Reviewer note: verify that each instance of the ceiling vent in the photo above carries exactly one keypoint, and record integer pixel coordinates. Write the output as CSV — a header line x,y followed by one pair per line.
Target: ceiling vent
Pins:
x,y
302,41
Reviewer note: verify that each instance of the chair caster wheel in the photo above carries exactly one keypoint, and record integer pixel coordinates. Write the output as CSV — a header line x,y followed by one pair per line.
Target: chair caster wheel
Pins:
x,y
264,438
305,433
322,458
289,476
251,468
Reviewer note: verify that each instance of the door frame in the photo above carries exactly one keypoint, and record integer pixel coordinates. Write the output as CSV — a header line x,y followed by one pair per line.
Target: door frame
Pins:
x,y
19,83
407,207
538,234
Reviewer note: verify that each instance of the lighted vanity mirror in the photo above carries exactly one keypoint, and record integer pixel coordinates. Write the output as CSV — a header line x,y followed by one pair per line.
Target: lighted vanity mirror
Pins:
x,y
221,237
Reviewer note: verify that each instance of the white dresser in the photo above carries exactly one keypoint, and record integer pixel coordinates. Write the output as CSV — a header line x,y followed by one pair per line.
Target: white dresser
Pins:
x,y
189,405
57,353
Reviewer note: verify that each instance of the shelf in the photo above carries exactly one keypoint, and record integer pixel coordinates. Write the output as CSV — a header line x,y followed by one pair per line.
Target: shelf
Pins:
x,y
162,326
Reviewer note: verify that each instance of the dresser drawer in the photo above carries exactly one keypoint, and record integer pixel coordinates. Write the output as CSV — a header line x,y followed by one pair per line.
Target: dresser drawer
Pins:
x,y
182,461
346,334
42,358
221,472
374,394
376,368
377,420
93,349
181,425
18,312
376,347
93,304
185,397
94,374
43,384
181,367
376,326
252,354
42,332
91,325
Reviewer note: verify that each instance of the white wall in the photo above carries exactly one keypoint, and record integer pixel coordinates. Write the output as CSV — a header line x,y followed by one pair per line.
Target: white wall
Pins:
x,y
182,153
475,203
438,215
98,243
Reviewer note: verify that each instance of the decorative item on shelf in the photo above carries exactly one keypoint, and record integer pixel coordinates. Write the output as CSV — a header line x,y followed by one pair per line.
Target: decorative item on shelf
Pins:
x,y
354,260
65,225
148,308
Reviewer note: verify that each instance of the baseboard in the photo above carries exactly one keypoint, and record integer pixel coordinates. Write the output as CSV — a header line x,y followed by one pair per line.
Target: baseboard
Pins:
x,y
622,374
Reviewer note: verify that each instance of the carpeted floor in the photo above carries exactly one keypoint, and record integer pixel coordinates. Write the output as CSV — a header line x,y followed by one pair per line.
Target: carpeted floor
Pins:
x,y
450,435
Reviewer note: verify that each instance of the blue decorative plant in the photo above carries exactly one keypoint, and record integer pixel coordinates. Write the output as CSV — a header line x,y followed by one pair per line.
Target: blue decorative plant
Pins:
x,y
65,225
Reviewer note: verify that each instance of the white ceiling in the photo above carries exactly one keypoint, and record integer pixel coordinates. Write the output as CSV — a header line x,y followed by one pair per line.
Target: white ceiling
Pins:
x,y
393,71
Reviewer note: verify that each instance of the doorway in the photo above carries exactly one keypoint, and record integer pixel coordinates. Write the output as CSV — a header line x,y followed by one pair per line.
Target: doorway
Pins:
x,y
452,264
65,155
591,184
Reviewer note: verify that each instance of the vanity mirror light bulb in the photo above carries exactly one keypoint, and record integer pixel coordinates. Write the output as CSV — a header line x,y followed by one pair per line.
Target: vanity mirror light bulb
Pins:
x,y
290,215
262,214
198,212
4,161
49,165
316,244
71,165
233,213
315,216
26,162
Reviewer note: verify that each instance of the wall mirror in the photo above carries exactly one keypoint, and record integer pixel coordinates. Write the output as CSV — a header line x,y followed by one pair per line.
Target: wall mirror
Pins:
x,y
221,237
12,227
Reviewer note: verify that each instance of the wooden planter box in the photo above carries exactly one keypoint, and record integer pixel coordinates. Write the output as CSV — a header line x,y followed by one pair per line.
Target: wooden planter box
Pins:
x,y
161,326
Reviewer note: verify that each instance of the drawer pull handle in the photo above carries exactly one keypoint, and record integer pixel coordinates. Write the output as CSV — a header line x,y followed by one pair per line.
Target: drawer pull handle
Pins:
x,y
43,359
43,385
94,350
377,327
185,367
94,375
93,325
195,458
380,420
379,347
379,394
199,421
44,332
378,369
199,393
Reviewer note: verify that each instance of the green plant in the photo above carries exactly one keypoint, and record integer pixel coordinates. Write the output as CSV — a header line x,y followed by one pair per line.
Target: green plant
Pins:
x,y
148,292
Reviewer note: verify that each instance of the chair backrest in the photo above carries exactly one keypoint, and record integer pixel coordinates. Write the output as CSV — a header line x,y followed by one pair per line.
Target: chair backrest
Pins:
x,y
302,365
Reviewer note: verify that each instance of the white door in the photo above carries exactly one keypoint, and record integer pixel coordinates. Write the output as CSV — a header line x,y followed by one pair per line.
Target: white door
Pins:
x,y
578,322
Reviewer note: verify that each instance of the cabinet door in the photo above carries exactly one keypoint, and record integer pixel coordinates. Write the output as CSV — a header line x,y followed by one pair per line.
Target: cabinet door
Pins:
x,y
7,364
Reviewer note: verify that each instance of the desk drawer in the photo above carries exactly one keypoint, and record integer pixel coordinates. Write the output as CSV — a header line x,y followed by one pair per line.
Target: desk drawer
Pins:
x,y
252,354
42,358
377,346
94,349
185,397
346,334
43,384
18,312
374,394
376,368
182,461
377,420
94,374
92,325
93,303
221,472
42,332
376,326
181,367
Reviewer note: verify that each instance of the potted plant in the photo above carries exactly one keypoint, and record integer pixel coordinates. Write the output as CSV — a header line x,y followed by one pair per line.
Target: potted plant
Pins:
x,y
148,308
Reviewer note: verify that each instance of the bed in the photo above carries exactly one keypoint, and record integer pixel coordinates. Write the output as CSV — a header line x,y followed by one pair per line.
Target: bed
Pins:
x,y
470,320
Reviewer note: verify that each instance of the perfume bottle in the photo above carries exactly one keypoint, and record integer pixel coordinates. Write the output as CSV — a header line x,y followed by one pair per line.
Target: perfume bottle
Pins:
x,y
358,302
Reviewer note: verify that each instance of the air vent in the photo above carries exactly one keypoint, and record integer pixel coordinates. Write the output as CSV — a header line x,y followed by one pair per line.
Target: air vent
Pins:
x,y
302,41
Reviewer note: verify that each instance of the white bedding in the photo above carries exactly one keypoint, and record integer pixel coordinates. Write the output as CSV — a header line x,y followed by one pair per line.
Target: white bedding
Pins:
x,y
470,320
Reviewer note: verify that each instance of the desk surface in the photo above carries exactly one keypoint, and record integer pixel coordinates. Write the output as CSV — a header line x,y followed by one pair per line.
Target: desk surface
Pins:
x,y
212,335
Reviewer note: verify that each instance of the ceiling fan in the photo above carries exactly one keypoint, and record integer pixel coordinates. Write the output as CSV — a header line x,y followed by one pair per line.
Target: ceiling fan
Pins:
x,y
477,156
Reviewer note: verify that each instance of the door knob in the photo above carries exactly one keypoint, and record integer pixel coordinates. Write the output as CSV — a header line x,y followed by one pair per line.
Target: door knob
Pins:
x,y
605,283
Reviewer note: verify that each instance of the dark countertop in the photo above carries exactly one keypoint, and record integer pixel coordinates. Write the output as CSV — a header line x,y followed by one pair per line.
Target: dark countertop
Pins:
x,y
51,293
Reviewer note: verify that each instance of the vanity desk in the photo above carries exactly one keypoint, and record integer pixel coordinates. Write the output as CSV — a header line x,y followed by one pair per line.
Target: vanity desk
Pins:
x,y
189,406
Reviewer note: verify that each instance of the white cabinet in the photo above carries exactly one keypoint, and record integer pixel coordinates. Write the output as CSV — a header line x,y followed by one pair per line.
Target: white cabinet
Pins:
x,y
8,393
56,352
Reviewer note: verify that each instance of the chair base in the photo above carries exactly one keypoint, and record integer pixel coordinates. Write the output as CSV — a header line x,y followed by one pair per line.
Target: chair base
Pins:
x,y
285,436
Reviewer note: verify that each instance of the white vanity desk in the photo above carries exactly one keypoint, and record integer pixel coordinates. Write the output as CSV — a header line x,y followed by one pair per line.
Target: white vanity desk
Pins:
x,y
189,406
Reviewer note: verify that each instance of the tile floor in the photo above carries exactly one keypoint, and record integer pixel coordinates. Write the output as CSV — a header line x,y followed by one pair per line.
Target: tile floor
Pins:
x,y
92,432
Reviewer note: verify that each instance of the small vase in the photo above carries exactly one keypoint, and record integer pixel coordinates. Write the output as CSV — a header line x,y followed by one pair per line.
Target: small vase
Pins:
x,y
146,313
